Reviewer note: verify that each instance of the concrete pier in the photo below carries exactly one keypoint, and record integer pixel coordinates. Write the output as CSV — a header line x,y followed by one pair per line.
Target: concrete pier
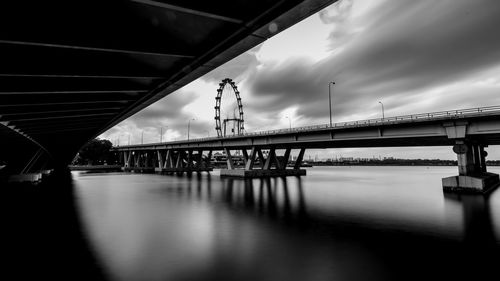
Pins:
x,y
179,161
481,183
166,161
28,177
270,166
33,177
472,175
139,169
183,170
258,173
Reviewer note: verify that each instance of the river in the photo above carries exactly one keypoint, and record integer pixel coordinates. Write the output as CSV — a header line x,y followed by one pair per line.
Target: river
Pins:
x,y
336,223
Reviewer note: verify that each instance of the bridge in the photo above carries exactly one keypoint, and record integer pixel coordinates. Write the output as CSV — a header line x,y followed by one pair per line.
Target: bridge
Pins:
x,y
468,131
73,69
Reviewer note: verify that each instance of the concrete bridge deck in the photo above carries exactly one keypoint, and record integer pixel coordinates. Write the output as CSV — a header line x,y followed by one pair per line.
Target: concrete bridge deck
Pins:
x,y
469,131
426,129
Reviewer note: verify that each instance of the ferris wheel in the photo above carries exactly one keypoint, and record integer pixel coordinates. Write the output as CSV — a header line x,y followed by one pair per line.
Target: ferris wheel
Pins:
x,y
221,126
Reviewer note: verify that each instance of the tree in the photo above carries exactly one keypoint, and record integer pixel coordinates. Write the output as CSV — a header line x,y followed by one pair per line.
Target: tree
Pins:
x,y
96,152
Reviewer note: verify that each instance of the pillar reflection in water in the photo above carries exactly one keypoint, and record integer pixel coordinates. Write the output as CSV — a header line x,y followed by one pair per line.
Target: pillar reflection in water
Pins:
x,y
278,197
477,225
150,227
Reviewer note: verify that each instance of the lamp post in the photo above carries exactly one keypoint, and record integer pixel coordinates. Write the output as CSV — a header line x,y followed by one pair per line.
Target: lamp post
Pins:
x,y
330,99
289,121
189,125
383,115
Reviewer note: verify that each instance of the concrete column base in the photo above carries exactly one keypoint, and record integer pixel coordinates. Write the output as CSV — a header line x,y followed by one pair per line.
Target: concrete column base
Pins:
x,y
139,169
182,170
478,183
241,173
31,177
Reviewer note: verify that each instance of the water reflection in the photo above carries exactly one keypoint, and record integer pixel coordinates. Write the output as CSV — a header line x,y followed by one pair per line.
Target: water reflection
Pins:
x,y
272,197
284,200
477,225
202,227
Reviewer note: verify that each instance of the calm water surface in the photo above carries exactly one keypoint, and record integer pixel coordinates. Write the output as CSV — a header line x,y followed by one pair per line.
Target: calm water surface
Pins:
x,y
336,223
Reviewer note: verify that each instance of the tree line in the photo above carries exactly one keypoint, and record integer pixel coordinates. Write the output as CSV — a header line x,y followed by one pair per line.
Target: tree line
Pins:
x,y
96,152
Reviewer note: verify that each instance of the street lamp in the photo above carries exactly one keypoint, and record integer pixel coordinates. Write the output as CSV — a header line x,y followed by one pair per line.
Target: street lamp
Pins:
x,y
189,125
383,115
330,100
289,121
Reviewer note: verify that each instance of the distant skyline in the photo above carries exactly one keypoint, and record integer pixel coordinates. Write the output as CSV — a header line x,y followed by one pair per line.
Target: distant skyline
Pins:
x,y
414,56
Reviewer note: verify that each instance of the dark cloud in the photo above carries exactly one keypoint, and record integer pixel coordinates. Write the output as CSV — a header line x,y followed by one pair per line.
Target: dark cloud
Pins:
x,y
337,13
276,84
169,107
339,16
409,47
235,68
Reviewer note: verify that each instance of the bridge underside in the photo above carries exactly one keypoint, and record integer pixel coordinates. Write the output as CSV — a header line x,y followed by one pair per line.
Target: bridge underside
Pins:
x,y
71,70
170,161
257,161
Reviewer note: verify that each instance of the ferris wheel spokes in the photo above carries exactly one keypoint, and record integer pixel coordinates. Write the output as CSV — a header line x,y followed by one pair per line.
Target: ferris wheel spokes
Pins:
x,y
220,127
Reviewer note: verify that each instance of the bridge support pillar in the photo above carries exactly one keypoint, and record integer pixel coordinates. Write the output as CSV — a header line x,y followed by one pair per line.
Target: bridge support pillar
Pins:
x,y
270,166
139,162
472,175
179,162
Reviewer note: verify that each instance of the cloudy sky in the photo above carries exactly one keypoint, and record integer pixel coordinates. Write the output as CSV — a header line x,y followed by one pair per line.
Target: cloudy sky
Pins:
x,y
414,56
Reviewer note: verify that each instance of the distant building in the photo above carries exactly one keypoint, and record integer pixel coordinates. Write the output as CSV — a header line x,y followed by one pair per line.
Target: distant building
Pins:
x,y
346,159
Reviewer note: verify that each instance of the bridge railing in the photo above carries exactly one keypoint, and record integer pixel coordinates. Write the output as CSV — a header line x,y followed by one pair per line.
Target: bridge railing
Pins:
x,y
438,115
449,114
